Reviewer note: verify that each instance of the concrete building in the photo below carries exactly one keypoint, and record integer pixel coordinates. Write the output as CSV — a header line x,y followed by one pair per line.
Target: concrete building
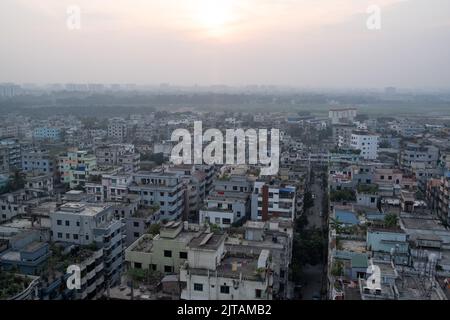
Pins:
x,y
117,129
74,167
346,115
47,133
122,155
275,236
342,134
160,188
12,153
212,274
165,252
87,223
273,200
37,160
415,153
367,143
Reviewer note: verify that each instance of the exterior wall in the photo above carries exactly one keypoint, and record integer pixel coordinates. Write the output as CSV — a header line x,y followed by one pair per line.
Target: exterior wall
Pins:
x,y
367,143
47,133
37,161
367,200
155,260
238,290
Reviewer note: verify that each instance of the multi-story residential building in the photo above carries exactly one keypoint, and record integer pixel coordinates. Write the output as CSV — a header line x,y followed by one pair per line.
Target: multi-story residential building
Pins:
x,y
88,223
366,142
342,134
117,129
443,206
4,159
47,133
160,188
39,185
12,204
225,208
273,235
12,152
138,222
74,167
213,274
9,131
165,252
342,115
122,155
415,153
37,160
273,200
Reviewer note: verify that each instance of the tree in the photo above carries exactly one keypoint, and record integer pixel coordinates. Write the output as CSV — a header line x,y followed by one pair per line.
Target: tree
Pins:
x,y
308,201
154,229
390,220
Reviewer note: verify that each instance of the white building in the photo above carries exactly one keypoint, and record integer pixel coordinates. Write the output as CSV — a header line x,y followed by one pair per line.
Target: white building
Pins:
x,y
212,274
84,224
117,129
273,201
367,143
342,115
165,189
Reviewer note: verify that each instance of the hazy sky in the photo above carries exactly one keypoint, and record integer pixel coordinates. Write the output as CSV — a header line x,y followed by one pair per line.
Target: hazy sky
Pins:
x,y
315,43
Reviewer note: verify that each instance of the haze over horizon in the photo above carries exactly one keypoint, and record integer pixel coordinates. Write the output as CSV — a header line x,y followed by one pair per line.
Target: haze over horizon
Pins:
x,y
303,43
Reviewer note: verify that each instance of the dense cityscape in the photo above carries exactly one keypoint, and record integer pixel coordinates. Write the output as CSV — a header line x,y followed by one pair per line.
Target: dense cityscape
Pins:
x,y
358,210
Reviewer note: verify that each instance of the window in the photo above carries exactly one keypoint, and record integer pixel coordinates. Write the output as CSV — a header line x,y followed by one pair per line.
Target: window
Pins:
x,y
183,255
138,265
198,287
168,269
59,222
225,289
258,293
136,234
78,223
59,235
167,253
226,221
87,237
67,235
67,223
152,267
75,237
217,220
136,224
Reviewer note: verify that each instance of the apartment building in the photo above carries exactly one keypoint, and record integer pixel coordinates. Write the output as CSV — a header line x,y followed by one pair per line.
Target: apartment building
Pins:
x,y
117,129
213,274
37,160
275,236
367,143
47,133
11,152
414,153
273,200
75,166
160,188
12,204
87,223
122,155
342,134
346,115
165,252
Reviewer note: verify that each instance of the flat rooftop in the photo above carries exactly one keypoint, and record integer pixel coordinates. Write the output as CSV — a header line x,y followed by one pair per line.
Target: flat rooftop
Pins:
x,y
82,208
209,241
424,223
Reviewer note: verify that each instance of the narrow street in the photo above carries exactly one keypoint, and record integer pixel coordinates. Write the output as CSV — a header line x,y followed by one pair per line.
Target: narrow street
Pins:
x,y
314,275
